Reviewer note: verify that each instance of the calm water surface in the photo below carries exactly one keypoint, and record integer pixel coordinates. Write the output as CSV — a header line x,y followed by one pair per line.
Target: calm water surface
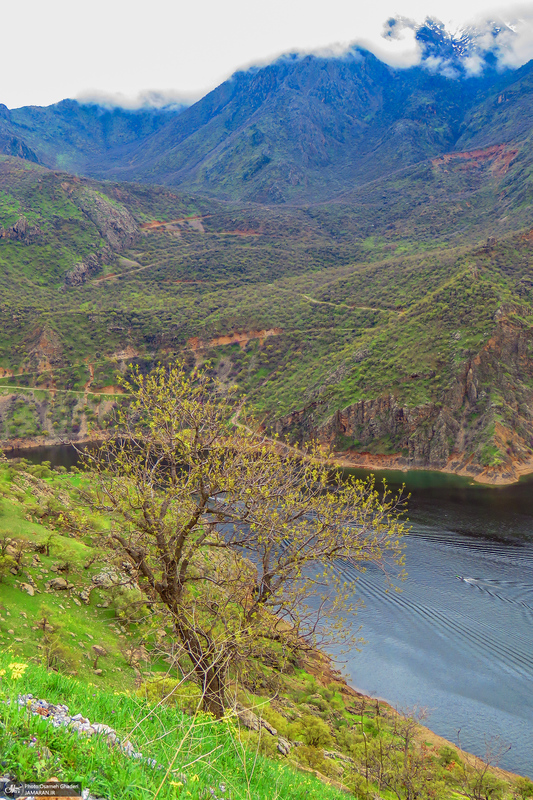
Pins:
x,y
458,639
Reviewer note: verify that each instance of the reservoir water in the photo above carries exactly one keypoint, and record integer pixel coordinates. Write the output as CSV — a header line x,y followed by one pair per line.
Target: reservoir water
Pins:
x,y
458,638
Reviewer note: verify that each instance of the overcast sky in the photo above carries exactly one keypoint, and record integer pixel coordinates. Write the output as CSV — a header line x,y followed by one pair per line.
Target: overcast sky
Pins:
x,y
52,49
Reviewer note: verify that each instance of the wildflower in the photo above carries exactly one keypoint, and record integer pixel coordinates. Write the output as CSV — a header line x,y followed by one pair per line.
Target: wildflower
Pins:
x,y
17,670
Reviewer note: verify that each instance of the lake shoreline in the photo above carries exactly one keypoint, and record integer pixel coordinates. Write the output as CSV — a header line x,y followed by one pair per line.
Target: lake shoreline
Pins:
x,y
346,459
324,668
398,463
350,682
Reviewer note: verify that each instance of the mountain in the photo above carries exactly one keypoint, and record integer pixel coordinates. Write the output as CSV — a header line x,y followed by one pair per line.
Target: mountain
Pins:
x,y
376,294
302,129
77,137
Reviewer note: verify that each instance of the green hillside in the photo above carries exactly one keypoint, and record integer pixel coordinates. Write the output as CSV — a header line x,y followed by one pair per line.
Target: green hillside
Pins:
x,y
363,322
74,634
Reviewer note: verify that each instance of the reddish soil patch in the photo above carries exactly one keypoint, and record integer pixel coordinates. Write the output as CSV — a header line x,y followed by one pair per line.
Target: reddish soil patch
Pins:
x,y
499,154
241,339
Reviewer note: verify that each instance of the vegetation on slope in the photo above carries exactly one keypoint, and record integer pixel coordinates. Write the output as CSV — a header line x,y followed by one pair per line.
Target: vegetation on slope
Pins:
x,y
311,311
334,740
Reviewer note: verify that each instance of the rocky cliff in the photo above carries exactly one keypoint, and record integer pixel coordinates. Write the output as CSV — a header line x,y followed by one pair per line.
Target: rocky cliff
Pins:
x,y
481,425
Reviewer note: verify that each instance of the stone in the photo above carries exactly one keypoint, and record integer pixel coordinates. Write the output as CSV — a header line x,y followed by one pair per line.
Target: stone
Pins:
x,y
11,632
59,584
26,587
284,746
75,600
98,671
268,727
85,595
334,754
248,718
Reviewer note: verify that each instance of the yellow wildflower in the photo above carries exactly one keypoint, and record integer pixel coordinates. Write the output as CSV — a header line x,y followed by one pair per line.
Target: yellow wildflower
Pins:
x,y
17,670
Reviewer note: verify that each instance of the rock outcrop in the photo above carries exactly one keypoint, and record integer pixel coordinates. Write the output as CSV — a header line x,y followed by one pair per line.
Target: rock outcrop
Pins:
x,y
83,270
21,231
113,220
481,424
114,223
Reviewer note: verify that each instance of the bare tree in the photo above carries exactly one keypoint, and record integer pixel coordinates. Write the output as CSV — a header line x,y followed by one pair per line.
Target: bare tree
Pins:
x,y
238,540
476,775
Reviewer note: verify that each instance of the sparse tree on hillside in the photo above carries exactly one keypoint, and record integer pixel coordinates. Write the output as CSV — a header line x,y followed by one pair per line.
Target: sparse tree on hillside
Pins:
x,y
237,539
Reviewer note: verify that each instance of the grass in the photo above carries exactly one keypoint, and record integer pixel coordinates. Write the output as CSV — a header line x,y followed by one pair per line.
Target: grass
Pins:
x,y
193,755
155,705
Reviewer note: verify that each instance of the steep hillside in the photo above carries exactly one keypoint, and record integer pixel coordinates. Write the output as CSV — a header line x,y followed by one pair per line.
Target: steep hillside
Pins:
x,y
396,327
354,249
78,137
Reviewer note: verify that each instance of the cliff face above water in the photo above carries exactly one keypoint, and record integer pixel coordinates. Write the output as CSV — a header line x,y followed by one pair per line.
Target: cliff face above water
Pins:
x,y
481,425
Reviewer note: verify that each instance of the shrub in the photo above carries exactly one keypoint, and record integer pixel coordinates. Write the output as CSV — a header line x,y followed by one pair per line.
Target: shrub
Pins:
x,y
311,730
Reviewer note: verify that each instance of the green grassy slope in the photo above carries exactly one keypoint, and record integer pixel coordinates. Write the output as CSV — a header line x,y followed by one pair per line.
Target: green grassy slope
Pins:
x,y
338,737
358,300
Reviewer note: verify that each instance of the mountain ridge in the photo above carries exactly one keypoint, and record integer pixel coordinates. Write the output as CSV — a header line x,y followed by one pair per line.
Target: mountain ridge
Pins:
x,y
292,131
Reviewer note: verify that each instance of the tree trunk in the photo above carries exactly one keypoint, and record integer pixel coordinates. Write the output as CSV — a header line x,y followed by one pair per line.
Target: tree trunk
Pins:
x,y
210,670
214,694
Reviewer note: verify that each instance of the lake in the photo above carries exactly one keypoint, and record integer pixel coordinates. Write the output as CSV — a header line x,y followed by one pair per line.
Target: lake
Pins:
x,y
458,638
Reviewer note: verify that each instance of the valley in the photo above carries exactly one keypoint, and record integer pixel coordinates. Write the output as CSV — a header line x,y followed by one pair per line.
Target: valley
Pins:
x,y
318,316
325,250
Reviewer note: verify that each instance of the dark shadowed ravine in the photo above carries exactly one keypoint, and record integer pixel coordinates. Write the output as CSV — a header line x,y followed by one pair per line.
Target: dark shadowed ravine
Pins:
x,y
458,638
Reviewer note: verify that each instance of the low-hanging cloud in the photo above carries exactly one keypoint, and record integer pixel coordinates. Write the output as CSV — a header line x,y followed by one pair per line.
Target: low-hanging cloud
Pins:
x,y
149,98
502,41
509,36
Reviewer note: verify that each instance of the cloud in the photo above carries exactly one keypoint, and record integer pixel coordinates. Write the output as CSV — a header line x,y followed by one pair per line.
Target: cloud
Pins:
x,y
509,37
504,41
399,46
149,98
